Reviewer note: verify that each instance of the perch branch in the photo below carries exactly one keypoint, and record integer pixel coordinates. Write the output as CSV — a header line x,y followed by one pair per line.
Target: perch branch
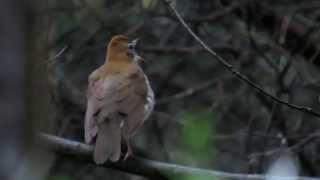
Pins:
x,y
139,166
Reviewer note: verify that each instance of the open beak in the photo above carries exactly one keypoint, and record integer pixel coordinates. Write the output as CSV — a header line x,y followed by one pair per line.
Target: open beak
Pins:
x,y
134,44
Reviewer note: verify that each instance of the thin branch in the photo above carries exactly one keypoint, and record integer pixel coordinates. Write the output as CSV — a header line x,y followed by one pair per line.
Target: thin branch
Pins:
x,y
235,71
140,166
284,29
52,60
187,92
254,43
217,15
183,50
134,29
214,16
296,147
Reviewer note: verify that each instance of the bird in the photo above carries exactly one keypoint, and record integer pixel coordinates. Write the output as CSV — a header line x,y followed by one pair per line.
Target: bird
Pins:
x,y
119,101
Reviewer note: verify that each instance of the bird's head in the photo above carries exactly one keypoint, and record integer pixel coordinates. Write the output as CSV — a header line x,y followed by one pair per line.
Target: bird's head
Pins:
x,y
119,48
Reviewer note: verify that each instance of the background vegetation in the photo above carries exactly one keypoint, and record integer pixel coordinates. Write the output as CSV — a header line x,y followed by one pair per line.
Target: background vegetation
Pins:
x,y
204,116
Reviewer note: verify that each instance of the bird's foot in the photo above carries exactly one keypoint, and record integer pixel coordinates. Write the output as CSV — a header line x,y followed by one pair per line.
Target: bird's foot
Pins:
x,y
128,154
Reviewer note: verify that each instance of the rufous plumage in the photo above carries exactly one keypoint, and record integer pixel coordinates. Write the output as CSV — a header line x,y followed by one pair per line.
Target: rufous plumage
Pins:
x,y
119,100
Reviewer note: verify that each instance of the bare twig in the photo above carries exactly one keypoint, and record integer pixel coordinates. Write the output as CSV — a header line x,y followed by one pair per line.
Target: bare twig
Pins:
x,y
134,29
314,56
296,147
254,43
217,15
140,166
284,28
183,50
187,92
52,60
214,16
235,71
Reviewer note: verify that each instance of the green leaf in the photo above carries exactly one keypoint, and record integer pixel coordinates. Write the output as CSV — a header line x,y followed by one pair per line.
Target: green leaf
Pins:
x,y
146,3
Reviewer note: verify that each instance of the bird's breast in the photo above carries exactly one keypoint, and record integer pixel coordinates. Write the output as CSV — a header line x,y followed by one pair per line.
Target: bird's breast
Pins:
x,y
150,101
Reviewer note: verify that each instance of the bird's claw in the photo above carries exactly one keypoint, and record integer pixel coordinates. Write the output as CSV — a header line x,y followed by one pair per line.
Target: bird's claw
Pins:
x,y
128,154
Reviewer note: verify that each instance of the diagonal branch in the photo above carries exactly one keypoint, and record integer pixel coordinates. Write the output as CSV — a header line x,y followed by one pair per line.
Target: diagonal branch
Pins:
x,y
140,166
239,75
187,92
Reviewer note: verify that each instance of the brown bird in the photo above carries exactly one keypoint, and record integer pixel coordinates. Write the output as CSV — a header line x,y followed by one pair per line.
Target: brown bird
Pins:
x,y
120,99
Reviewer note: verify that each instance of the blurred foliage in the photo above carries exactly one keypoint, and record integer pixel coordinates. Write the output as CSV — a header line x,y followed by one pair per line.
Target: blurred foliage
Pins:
x,y
196,177
195,134
59,177
148,4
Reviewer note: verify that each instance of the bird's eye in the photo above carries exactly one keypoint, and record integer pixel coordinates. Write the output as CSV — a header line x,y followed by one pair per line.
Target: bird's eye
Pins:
x,y
130,46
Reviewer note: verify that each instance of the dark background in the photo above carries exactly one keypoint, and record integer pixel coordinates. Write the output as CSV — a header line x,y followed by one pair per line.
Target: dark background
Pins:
x,y
204,117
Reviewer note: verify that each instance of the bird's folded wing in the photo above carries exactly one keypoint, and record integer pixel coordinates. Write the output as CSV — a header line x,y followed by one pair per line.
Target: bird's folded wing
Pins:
x,y
123,97
126,100
95,95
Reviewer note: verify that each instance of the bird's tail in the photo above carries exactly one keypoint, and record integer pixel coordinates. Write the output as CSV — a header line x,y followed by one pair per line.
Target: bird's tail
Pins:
x,y
108,144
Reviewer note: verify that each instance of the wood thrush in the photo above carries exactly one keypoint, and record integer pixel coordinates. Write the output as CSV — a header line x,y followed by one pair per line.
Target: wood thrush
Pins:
x,y
120,99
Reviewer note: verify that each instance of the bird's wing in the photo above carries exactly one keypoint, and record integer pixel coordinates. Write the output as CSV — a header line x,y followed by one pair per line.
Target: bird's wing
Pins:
x,y
95,94
142,99
102,120
126,100
137,106
122,113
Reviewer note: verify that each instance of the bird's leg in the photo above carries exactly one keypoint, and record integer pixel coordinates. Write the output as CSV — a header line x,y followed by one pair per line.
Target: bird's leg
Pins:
x,y
129,149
